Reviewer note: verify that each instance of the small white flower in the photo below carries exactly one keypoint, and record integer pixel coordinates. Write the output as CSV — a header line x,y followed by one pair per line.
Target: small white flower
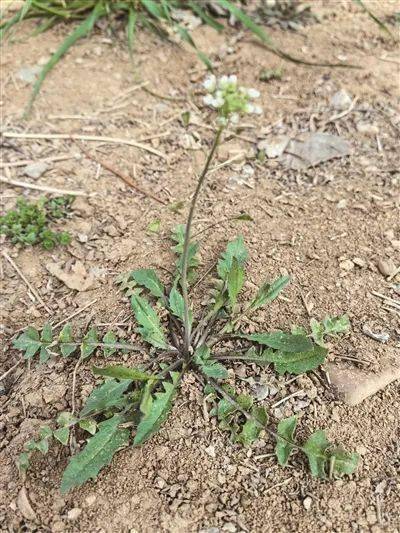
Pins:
x,y
208,99
253,93
222,121
235,118
257,110
223,82
249,108
210,83
218,101
232,79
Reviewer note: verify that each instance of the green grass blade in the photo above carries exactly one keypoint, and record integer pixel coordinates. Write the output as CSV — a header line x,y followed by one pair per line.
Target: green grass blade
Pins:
x,y
130,29
205,17
185,36
7,25
154,9
376,19
83,29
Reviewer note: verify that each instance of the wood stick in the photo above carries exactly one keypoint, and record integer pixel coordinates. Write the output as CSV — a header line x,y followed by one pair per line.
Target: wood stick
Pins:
x,y
28,284
34,186
24,162
94,138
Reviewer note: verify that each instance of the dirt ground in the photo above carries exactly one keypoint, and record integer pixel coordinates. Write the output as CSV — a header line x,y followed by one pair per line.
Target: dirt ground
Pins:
x,y
328,226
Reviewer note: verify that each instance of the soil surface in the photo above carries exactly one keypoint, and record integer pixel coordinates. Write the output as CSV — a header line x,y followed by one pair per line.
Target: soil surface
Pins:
x,y
330,226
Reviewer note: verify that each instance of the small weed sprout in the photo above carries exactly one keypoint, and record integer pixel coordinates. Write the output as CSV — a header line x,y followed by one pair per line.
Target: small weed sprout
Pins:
x,y
28,224
133,402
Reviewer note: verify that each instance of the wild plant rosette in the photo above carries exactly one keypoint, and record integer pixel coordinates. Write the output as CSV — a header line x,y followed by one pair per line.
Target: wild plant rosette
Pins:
x,y
132,403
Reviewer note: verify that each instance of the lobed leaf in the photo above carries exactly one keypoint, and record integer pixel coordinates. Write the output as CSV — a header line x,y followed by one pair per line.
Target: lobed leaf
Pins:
x,y
97,453
329,326
286,342
147,277
235,249
89,343
158,411
147,318
235,280
208,366
109,340
268,292
297,362
29,341
65,340
284,446
252,428
109,394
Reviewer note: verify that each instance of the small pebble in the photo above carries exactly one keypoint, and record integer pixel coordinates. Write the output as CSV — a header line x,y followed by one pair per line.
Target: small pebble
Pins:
x,y
73,514
307,502
386,267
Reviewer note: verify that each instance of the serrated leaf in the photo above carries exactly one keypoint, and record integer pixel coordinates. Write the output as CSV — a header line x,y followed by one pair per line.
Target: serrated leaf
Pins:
x,y
109,340
29,341
147,318
108,394
97,453
235,280
88,425
62,435
283,448
176,304
209,367
342,462
147,277
296,363
89,343
316,450
67,346
146,400
329,326
47,334
159,410
268,292
122,372
286,342
235,249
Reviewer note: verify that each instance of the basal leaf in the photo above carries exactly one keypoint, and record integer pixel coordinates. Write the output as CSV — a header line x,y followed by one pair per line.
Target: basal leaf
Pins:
x,y
329,326
97,453
176,304
122,372
108,394
286,342
286,429
316,450
147,277
235,249
109,340
67,346
251,428
209,367
269,291
147,318
89,343
159,410
29,341
235,281
62,435
296,363
47,334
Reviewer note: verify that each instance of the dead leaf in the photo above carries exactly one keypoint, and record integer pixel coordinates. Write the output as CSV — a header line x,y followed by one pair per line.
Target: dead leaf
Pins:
x,y
24,505
310,149
77,277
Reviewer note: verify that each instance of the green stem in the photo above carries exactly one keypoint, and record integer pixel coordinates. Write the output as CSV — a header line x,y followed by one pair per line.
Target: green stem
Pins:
x,y
185,255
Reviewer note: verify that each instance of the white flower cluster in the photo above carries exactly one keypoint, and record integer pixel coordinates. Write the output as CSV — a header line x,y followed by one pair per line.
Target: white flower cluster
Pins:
x,y
228,98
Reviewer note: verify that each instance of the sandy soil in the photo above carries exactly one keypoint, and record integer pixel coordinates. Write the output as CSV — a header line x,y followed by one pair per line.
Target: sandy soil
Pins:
x,y
327,226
